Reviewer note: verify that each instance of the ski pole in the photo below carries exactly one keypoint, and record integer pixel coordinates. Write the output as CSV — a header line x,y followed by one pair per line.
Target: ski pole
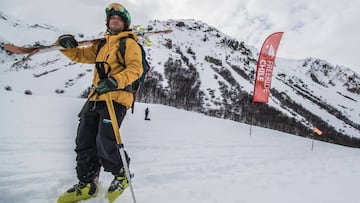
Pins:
x,y
114,123
251,118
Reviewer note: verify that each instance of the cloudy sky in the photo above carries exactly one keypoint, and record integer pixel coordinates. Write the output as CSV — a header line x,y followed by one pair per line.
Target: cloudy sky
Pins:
x,y
325,29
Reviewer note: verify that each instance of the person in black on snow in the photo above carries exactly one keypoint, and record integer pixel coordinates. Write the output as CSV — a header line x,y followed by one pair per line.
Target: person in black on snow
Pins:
x,y
147,114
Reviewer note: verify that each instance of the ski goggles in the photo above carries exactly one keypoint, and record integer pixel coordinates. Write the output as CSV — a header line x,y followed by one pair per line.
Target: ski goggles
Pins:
x,y
117,9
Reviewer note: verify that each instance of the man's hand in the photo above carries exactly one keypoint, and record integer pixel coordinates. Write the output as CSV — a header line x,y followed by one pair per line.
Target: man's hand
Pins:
x,y
106,85
67,41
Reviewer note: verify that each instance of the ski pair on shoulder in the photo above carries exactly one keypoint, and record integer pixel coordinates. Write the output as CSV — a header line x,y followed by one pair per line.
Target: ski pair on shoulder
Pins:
x,y
31,50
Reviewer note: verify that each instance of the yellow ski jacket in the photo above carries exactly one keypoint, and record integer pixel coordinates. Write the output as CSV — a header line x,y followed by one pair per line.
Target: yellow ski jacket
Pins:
x,y
109,53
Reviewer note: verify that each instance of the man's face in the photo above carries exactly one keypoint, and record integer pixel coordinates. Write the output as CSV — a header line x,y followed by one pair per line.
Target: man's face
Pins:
x,y
116,23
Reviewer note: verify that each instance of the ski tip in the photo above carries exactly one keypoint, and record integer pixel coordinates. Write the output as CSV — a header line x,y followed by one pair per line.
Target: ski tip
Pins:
x,y
18,50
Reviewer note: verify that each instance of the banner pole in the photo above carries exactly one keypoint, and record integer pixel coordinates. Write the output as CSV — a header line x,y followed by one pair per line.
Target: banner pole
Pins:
x,y
312,145
251,117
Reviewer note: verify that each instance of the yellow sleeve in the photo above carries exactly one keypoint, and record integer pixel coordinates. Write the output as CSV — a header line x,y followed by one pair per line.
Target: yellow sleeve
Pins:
x,y
82,54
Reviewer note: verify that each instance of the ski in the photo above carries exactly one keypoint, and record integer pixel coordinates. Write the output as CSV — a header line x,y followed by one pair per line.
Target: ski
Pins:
x,y
41,48
31,50
154,32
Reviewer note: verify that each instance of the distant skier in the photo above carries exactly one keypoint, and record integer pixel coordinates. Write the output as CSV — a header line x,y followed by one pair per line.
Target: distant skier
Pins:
x,y
96,145
147,114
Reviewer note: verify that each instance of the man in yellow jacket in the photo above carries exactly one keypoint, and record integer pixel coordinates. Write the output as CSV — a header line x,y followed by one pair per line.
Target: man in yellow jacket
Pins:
x,y
95,142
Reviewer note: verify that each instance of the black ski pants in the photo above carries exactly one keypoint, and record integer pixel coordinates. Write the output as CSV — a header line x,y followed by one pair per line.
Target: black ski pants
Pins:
x,y
96,143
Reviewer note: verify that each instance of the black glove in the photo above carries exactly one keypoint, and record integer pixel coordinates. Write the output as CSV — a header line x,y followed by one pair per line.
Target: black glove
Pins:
x,y
67,41
106,85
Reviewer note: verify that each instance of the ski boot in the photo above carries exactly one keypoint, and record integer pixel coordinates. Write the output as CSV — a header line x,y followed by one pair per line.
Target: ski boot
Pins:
x,y
117,186
80,191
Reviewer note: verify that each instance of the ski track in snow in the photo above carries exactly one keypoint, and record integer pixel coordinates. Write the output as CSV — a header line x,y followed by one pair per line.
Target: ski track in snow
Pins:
x,y
178,156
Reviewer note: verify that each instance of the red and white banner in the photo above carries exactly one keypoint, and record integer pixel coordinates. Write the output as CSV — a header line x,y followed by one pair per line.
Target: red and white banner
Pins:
x,y
265,67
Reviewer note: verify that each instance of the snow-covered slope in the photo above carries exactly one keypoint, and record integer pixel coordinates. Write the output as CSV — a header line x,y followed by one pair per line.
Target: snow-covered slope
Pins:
x,y
177,157
331,92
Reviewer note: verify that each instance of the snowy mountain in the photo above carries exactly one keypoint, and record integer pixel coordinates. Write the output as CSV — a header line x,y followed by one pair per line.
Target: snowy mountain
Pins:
x,y
199,68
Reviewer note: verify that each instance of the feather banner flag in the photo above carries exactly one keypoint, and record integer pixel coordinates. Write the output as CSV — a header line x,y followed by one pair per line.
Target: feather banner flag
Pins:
x,y
317,131
265,67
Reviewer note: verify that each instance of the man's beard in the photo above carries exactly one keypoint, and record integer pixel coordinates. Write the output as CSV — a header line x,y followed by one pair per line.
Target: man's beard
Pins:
x,y
115,31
